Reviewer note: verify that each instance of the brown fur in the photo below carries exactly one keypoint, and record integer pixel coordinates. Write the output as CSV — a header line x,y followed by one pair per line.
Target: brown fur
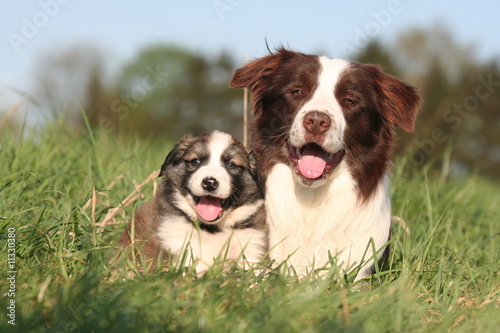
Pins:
x,y
143,228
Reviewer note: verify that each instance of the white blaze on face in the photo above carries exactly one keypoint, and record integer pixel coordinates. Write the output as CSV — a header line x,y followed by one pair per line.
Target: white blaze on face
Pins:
x,y
313,160
209,207
323,100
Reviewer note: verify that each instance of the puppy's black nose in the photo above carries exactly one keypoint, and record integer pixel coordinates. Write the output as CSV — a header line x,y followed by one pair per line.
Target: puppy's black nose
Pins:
x,y
209,184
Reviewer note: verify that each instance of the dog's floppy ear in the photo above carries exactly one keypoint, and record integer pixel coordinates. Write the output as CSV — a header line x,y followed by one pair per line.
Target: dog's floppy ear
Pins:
x,y
176,153
254,74
249,75
400,101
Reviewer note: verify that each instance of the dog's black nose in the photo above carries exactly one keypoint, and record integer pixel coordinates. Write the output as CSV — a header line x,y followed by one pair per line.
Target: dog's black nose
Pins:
x,y
316,122
209,184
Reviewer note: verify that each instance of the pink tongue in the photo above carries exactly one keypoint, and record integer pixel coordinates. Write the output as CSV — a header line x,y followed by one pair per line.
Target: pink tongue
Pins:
x,y
313,162
209,208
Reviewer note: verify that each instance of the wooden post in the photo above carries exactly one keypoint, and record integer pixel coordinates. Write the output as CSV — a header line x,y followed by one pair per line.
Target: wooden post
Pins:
x,y
245,113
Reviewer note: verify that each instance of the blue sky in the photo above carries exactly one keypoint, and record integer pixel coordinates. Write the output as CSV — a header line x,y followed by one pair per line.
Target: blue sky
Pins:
x,y
31,28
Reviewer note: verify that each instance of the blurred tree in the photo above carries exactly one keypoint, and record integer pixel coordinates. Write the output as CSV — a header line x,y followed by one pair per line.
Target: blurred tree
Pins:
x,y
97,96
474,119
376,53
63,78
170,91
419,50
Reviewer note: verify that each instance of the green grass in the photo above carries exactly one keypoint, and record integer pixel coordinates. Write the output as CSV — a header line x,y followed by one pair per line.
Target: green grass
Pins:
x,y
443,275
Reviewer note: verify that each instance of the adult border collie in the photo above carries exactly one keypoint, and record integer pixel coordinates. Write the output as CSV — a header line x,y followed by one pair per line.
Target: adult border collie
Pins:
x,y
324,132
208,204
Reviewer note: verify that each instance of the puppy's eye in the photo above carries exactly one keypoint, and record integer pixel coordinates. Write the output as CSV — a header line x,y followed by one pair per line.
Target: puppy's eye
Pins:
x,y
194,162
349,101
231,165
297,92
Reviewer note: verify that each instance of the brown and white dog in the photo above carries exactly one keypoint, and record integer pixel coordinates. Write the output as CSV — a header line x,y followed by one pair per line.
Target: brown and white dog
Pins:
x,y
324,133
209,204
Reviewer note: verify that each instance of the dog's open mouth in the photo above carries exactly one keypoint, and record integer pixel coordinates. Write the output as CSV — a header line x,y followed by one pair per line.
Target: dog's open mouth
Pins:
x,y
313,162
209,208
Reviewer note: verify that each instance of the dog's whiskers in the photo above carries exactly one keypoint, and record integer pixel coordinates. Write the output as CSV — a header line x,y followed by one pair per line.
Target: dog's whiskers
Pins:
x,y
282,133
348,151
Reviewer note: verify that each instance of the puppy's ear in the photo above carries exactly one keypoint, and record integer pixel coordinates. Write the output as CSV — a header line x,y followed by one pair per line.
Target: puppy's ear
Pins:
x,y
400,101
176,153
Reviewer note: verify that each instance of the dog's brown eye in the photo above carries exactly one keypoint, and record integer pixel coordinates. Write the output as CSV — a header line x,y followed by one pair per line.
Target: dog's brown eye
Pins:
x,y
231,165
349,101
297,92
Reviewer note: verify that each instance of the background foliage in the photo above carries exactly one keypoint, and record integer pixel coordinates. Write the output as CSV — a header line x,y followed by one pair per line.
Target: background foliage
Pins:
x,y
167,91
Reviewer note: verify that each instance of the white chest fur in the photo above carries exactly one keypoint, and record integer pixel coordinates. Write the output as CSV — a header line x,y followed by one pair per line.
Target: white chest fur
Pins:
x,y
245,246
308,223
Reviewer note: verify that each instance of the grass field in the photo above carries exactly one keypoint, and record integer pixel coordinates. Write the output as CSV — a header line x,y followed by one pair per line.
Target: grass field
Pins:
x,y
57,186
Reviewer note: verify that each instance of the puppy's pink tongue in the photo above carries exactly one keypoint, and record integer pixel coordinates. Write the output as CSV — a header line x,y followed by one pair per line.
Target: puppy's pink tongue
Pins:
x,y
312,164
209,208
